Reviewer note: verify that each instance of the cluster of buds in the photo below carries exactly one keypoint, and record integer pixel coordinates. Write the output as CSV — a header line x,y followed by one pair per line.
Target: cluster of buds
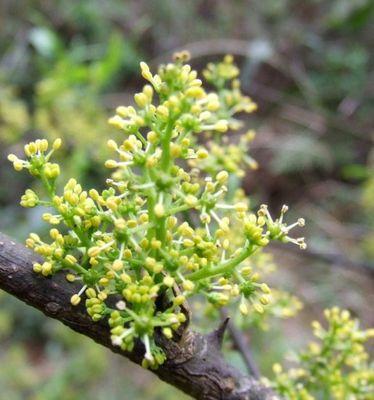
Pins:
x,y
38,159
281,305
164,230
229,154
335,364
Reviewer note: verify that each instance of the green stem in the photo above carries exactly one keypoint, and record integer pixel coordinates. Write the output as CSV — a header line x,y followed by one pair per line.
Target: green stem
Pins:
x,y
165,144
162,230
178,209
77,268
50,189
151,202
165,167
223,268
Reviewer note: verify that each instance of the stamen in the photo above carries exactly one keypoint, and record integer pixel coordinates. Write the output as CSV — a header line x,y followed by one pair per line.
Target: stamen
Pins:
x,y
82,290
148,355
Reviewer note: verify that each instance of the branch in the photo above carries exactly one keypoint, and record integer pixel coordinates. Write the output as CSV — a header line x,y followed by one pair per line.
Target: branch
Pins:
x,y
194,363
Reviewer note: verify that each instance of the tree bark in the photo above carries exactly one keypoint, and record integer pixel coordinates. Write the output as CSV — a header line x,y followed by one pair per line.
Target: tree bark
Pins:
x,y
194,363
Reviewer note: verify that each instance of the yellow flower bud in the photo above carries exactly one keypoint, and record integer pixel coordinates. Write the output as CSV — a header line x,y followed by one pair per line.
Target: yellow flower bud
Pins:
x,y
202,154
127,253
112,145
18,165
57,144
111,164
178,300
93,251
188,285
43,145
265,288
221,125
167,332
152,137
91,293
12,158
70,259
46,268
125,278
171,222
195,92
222,177
37,268
75,300
168,281
148,91
122,111
163,111
191,200
141,100
146,73
175,150
104,281
102,296
258,308
70,277
116,122
159,210
144,218
117,265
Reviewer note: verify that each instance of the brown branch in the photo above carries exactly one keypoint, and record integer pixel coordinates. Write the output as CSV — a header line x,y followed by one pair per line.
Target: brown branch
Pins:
x,y
194,363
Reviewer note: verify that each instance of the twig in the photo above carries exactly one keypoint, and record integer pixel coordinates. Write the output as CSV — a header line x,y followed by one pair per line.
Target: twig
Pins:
x,y
241,345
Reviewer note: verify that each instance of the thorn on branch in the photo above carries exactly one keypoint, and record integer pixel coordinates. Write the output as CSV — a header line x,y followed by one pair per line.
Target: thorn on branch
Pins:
x,y
240,344
216,337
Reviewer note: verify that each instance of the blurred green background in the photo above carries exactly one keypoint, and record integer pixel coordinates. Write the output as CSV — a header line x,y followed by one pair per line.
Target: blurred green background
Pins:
x,y
64,67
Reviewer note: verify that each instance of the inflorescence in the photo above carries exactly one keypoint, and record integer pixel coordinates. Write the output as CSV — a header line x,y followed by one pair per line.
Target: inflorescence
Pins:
x,y
164,229
334,366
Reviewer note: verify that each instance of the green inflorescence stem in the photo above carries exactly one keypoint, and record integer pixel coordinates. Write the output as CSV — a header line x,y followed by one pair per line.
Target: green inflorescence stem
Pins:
x,y
224,267
165,144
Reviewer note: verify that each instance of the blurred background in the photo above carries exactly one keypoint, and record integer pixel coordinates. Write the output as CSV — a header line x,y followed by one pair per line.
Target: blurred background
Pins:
x,y
65,65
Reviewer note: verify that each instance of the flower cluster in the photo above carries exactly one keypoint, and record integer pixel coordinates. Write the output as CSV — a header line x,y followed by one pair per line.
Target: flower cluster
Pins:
x,y
164,229
280,304
336,364
228,152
